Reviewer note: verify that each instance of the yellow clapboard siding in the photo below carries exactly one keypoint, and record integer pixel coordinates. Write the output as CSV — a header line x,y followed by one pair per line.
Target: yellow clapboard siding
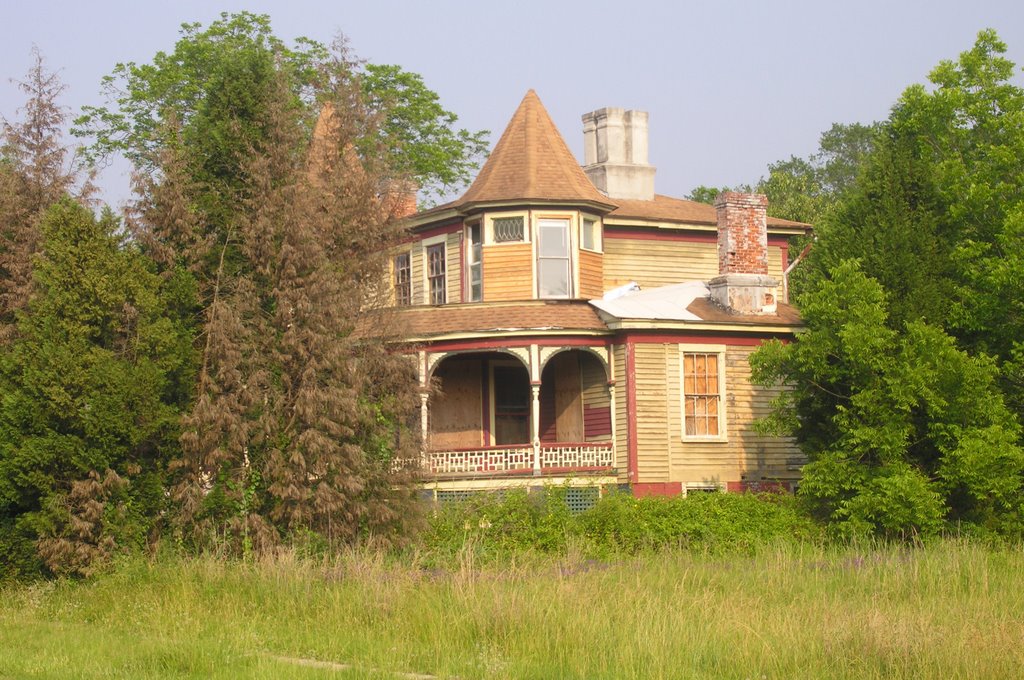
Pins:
x,y
653,263
417,274
657,263
591,274
453,267
620,415
508,272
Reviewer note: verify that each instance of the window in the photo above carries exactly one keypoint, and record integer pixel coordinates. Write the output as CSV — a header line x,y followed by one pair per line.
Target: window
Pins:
x,y
474,263
403,280
436,274
702,394
553,273
509,229
588,235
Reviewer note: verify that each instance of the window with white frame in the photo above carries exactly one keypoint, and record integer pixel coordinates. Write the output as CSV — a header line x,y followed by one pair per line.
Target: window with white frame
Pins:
x,y
508,229
590,234
554,274
703,389
474,263
403,279
436,265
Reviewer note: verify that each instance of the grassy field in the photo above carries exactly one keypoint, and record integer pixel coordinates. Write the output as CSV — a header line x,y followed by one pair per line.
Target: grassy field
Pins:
x,y
949,611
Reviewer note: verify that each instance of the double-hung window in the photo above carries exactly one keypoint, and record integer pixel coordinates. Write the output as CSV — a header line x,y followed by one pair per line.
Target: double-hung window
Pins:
x,y
474,262
436,266
703,412
554,276
403,280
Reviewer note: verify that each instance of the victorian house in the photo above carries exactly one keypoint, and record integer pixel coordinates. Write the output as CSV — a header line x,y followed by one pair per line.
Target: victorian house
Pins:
x,y
572,326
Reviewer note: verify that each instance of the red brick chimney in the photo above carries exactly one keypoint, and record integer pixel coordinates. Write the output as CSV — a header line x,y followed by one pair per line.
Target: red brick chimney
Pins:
x,y
743,285
401,200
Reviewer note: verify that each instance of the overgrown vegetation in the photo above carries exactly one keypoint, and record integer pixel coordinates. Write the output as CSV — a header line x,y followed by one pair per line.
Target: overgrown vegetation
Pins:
x,y
906,393
502,526
952,610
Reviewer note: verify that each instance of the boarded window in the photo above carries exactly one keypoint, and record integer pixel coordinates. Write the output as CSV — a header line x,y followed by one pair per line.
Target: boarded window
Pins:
x,y
702,394
436,274
507,229
403,280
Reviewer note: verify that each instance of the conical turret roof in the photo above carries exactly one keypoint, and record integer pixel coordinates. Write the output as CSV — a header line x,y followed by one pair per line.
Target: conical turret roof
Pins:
x,y
531,162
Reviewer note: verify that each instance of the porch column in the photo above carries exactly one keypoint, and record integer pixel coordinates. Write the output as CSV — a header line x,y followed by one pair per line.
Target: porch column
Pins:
x,y
611,414
535,426
424,425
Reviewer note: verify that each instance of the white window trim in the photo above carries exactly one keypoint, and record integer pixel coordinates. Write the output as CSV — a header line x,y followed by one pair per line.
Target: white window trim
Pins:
x,y
467,244
598,233
425,244
723,419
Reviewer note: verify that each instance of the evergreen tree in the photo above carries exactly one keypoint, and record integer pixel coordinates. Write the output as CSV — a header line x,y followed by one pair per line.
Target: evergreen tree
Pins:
x,y
93,387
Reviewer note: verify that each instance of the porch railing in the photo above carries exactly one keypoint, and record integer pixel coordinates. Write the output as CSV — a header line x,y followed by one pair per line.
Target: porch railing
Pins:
x,y
562,456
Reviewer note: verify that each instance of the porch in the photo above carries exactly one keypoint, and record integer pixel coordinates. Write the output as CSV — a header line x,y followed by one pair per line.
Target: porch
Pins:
x,y
503,413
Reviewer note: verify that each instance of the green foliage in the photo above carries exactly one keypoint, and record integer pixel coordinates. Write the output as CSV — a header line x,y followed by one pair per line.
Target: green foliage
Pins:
x,y
903,430
517,522
217,84
94,382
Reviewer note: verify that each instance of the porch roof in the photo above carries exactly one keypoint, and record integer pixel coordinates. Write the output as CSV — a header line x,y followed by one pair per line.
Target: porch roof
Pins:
x,y
540,315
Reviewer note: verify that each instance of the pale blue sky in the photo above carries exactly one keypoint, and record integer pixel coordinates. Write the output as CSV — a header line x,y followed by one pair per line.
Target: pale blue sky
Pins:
x,y
730,87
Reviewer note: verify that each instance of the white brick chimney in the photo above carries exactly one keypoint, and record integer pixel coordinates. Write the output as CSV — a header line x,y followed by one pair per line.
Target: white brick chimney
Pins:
x,y
743,284
615,153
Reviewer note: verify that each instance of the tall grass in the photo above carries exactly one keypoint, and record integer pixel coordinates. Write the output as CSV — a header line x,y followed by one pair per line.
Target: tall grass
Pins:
x,y
951,610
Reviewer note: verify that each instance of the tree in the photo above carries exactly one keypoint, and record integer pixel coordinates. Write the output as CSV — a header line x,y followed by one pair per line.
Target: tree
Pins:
x,y
907,384
903,430
295,423
93,387
216,83
35,172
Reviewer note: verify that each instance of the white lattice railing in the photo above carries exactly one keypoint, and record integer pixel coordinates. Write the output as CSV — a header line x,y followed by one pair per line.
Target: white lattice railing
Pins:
x,y
587,455
521,458
498,459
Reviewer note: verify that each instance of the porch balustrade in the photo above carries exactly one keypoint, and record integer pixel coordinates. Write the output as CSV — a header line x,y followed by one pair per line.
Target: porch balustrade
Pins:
x,y
560,457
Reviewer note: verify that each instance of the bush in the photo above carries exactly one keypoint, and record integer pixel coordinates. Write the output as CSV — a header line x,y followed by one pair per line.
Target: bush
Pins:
x,y
517,522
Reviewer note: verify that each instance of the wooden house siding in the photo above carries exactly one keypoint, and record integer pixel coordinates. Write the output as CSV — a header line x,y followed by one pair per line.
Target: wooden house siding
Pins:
x,y
663,262
453,267
417,275
663,454
621,414
597,424
591,274
508,272
653,411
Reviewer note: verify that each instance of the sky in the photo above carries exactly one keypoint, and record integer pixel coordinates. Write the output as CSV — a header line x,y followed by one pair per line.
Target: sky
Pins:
x,y
730,87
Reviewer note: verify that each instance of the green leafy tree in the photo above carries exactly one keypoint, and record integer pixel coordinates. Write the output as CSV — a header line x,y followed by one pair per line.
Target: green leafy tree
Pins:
x,y
93,387
904,431
216,84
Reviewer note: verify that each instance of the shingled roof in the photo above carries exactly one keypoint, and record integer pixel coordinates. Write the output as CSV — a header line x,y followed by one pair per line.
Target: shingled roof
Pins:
x,y
531,162
669,209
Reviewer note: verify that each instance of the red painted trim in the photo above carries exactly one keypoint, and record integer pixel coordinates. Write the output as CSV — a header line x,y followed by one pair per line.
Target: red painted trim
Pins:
x,y
515,342
656,489
583,468
435,231
640,338
639,234
660,235
631,451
